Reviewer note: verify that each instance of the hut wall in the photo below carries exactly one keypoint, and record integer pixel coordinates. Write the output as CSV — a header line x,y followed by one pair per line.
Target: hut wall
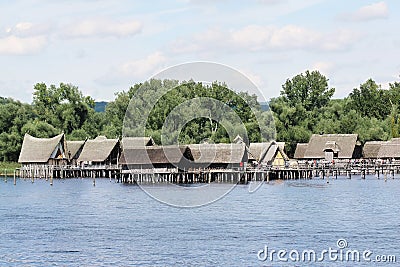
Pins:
x,y
329,155
278,161
57,162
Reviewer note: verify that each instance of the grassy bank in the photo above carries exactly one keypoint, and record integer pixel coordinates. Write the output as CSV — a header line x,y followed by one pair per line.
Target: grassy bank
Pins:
x,y
9,166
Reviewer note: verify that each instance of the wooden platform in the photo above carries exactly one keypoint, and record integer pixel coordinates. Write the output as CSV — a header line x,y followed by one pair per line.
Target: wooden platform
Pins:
x,y
238,175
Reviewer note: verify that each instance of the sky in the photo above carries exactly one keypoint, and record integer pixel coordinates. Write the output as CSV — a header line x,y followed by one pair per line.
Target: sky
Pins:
x,y
104,47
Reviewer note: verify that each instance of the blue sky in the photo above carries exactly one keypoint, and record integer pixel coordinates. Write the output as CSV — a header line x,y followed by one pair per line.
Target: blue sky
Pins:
x,y
106,46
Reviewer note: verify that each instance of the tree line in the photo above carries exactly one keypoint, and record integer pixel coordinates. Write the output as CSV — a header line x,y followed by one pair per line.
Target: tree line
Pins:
x,y
305,106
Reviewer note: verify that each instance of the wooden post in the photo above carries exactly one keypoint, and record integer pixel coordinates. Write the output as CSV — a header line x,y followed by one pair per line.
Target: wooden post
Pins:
x,y
5,175
15,178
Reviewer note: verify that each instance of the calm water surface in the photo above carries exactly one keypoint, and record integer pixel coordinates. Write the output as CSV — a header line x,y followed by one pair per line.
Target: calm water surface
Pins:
x,y
73,223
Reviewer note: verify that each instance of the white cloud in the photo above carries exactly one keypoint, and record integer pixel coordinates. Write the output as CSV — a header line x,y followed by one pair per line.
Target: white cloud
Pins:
x,y
134,70
143,67
23,38
339,40
254,78
293,37
370,12
256,38
21,45
103,28
25,29
324,67
23,26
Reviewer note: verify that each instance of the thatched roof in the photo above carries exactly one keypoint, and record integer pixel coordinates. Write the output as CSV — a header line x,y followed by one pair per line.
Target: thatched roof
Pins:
x,y
133,142
219,153
331,146
395,140
371,149
300,150
257,150
269,152
98,149
155,155
73,148
389,150
39,150
345,144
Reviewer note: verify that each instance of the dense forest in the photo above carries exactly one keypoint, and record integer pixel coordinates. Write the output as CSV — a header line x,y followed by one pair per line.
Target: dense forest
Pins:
x,y
305,106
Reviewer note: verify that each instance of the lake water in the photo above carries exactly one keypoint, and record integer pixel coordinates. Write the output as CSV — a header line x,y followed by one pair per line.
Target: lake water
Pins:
x,y
73,223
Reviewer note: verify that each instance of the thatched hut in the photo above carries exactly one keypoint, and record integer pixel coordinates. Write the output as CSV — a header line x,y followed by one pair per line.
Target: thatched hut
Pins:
x,y
371,149
300,150
134,142
268,153
149,157
333,146
389,150
43,151
382,149
100,151
74,149
219,155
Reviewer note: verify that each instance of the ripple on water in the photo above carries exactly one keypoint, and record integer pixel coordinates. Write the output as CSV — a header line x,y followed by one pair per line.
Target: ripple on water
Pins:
x,y
76,224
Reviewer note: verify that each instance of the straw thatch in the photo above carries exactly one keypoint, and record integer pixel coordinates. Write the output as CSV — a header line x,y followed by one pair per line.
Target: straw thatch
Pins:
x,y
331,146
389,150
155,155
40,150
99,149
74,149
258,150
269,153
133,142
344,145
300,150
371,149
395,140
219,153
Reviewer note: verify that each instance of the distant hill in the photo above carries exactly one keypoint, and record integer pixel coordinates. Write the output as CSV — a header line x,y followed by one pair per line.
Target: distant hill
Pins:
x,y
100,106
264,106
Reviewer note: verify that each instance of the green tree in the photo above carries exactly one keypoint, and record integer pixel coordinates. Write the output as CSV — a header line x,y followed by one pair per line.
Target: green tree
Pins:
x,y
309,90
40,129
64,107
370,100
303,108
199,116
13,116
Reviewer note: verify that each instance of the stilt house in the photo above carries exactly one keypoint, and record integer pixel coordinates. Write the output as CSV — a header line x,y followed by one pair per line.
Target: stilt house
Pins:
x,y
43,151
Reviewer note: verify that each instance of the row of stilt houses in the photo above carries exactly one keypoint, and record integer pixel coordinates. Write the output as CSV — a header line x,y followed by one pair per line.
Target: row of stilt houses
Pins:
x,y
139,159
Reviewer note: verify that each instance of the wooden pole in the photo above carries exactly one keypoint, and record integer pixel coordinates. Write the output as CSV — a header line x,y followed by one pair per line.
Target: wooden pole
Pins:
x,y
15,179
